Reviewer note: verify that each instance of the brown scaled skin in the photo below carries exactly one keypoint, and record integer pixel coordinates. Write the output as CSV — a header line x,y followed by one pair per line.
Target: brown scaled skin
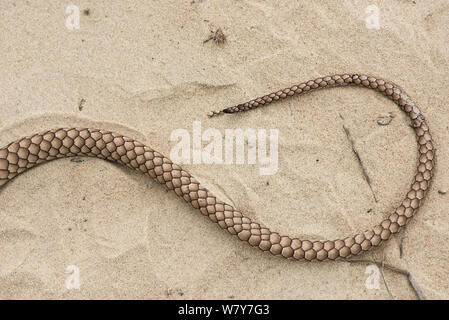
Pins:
x,y
27,152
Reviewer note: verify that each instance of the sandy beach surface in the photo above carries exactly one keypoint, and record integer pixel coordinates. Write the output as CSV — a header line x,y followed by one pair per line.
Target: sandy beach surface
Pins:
x,y
142,69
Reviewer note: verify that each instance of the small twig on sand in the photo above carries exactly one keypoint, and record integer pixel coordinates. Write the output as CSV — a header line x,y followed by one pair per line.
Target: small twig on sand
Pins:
x,y
385,281
351,141
409,276
81,104
218,37
385,120
401,247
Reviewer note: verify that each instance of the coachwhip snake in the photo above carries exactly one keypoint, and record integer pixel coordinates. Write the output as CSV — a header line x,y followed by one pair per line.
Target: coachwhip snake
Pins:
x,y
27,152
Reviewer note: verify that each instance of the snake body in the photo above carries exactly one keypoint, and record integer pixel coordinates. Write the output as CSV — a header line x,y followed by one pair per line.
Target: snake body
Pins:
x,y
30,151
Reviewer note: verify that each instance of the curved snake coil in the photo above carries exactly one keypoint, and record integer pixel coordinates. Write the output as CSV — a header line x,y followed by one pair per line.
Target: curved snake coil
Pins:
x,y
28,152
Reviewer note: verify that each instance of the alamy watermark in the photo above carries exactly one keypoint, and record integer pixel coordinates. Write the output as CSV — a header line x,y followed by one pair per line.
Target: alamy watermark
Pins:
x,y
72,21
372,281
372,20
189,148
72,282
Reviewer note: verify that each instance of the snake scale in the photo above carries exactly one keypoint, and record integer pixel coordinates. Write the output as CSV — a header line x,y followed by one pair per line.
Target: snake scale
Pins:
x,y
28,152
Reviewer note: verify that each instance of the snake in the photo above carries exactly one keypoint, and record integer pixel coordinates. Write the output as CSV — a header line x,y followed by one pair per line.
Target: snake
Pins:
x,y
25,153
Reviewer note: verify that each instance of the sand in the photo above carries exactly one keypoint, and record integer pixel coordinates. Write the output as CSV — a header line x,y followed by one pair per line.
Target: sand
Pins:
x,y
143,70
